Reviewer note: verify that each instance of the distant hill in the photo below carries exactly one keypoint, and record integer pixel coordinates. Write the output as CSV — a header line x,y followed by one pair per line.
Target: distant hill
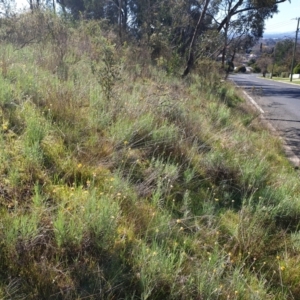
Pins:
x,y
279,35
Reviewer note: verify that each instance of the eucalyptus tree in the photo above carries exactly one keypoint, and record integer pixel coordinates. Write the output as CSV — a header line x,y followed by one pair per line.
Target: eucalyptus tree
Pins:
x,y
243,17
187,27
114,11
34,4
40,4
190,60
7,7
283,54
262,8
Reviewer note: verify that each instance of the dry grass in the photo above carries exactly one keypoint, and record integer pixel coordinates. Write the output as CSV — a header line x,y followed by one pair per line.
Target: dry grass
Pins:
x,y
120,182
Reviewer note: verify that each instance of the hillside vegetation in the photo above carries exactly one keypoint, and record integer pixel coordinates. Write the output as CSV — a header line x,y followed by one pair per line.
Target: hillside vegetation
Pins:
x,y
121,180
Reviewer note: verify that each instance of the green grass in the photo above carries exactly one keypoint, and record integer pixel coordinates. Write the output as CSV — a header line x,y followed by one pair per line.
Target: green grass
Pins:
x,y
120,180
296,81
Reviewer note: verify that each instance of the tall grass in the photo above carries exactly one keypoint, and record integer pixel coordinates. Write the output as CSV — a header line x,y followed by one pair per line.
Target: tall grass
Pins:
x,y
120,182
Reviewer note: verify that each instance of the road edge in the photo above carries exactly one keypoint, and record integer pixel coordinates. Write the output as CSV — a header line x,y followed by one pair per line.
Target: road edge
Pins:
x,y
290,154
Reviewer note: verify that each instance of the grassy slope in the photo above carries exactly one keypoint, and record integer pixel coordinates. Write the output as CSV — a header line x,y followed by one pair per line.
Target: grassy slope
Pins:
x,y
119,182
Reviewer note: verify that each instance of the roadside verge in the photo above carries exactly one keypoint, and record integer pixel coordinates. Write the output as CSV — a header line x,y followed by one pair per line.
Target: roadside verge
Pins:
x,y
292,157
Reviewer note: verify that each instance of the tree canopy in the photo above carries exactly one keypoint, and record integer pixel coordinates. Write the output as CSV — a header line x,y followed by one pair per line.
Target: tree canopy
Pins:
x,y
187,28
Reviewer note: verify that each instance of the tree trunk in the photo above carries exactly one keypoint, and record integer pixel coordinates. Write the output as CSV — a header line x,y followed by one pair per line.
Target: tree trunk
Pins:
x,y
125,16
53,5
31,5
120,19
235,11
63,7
229,15
190,61
226,37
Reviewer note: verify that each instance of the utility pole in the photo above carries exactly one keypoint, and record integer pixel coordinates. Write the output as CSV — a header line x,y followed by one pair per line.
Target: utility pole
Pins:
x,y
295,45
274,53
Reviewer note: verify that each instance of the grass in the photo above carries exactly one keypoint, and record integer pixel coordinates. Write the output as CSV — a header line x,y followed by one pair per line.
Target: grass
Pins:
x,y
288,80
121,181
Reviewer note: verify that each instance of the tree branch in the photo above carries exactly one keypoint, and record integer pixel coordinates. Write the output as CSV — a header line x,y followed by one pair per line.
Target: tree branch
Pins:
x,y
190,61
234,11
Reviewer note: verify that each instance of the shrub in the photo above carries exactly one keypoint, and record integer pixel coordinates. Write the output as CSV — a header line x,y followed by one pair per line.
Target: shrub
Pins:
x,y
278,69
297,69
251,62
229,66
206,66
240,69
285,74
256,68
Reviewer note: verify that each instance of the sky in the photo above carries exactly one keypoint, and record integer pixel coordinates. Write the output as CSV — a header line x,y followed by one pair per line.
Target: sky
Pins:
x,y
280,23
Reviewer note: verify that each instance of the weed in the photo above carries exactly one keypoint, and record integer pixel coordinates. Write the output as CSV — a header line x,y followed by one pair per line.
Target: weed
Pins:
x,y
120,181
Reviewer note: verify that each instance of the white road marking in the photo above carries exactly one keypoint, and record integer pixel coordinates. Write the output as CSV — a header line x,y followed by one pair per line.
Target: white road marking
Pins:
x,y
254,103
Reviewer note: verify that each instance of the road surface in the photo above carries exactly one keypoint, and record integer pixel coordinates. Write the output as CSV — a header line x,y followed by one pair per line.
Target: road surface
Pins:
x,y
278,102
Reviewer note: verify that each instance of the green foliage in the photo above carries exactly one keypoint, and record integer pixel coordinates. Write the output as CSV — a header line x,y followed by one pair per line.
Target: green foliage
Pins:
x,y
68,229
6,93
156,268
101,214
278,70
120,180
256,68
104,66
240,69
229,66
297,69
35,131
284,53
23,227
251,62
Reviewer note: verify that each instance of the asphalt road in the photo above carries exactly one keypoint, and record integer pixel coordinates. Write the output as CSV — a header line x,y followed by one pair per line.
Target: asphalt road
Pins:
x,y
279,103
